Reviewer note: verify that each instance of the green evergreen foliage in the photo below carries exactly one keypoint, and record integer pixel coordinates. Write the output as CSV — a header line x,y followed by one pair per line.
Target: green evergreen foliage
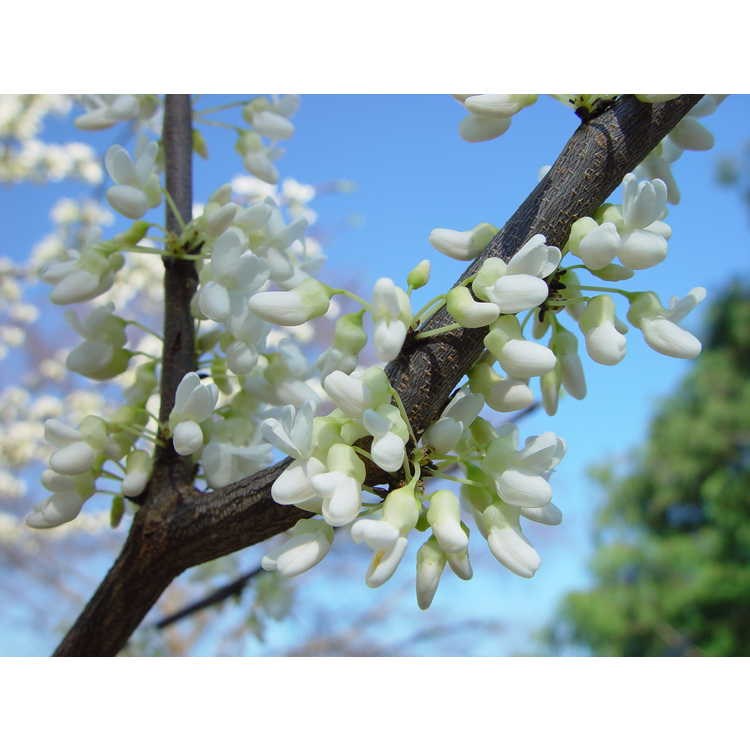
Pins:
x,y
672,570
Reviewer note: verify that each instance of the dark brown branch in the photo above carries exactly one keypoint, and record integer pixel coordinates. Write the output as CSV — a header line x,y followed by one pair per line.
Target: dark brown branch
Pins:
x,y
142,571
189,527
180,280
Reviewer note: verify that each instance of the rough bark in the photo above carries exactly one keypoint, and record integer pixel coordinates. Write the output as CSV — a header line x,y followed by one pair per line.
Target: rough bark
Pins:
x,y
178,527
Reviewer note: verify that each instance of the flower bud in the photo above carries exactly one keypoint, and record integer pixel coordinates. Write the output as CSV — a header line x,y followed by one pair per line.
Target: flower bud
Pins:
x,y
309,542
565,347
349,335
462,245
430,565
307,301
419,275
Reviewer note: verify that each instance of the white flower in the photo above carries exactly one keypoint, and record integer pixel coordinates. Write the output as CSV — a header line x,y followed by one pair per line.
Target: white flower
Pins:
x,y
469,312
294,486
194,403
259,163
69,493
137,187
499,525
498,105
104,110
691,135
340,486
443,435
462,245
102,355
519,477
635,232
477,128
272,125
355,393
230,278
137,473
291,308
518,285
390,435
293,432
490,114
82,277
643,202
564,345
521,359
59,508
501,394
659,324
600,246
309,542
604,342
74,454
444,517
387,537
391,315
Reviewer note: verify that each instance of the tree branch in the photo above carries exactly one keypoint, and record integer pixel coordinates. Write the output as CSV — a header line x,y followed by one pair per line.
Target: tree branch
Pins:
x,y
234,588
189,527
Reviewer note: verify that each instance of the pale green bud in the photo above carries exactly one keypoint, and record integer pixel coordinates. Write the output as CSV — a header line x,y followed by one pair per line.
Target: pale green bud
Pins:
x,y
349,334
550,385
430,565
419,275
199,144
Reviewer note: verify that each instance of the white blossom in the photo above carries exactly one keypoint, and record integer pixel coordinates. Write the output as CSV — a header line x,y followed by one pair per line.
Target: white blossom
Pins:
x,y
518,285
308,543
391,315
138,187
194,403
659,324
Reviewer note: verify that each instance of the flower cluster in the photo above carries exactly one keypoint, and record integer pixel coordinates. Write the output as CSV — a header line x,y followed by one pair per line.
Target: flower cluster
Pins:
x,y
633,233
327,476
254,390
269,119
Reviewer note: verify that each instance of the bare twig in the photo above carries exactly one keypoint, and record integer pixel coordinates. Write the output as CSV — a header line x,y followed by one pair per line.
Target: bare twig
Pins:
x,y
232,589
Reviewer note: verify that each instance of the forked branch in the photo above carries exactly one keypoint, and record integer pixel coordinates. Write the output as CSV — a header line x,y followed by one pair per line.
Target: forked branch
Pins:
x,y
178,527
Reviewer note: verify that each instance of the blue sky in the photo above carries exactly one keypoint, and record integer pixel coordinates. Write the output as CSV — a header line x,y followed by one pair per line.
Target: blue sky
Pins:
x,y
413,173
